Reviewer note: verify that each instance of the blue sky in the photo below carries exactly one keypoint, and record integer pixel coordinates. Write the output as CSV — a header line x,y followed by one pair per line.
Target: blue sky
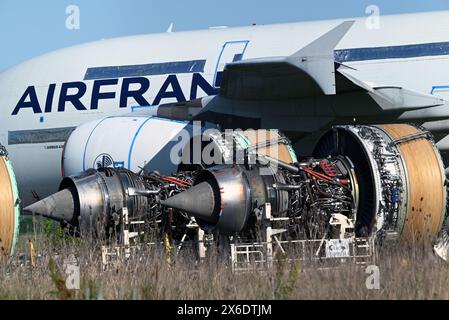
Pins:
x,y
32,27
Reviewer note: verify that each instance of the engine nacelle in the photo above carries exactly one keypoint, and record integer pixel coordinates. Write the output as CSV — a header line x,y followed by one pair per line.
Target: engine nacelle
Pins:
x,y
131,142
9,207
152,143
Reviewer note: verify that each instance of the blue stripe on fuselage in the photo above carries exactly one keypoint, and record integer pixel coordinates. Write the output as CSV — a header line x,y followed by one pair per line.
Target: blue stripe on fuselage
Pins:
x,y
392,52
343,55
141,70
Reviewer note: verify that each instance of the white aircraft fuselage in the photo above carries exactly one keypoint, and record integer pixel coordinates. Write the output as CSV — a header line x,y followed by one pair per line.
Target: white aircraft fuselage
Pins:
x,y
43,99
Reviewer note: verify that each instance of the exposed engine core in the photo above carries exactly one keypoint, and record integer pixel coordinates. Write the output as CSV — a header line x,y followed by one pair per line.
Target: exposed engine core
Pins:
x,y
400,175
91,202
9,207
97,195
230,198
388,181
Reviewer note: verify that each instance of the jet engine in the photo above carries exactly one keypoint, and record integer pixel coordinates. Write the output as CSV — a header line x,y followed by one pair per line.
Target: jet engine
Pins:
x,y
402,183
387,180
230,199
9,207
92,202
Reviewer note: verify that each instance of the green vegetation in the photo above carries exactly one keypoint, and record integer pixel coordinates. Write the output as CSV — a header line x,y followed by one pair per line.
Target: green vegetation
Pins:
x,y
405,273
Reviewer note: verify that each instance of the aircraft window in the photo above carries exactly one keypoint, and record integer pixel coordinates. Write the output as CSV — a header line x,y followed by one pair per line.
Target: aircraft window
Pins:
x,y
142,70
238,57
39,136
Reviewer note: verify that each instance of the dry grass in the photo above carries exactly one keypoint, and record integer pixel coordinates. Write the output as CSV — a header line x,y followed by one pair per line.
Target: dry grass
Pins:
x,y
405,273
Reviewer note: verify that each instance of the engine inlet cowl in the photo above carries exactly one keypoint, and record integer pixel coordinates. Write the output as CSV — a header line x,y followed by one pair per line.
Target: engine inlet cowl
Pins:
x,y
9,207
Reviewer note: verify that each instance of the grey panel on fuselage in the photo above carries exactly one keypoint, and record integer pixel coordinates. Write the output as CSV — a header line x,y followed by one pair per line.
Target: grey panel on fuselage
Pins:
x,y
39,136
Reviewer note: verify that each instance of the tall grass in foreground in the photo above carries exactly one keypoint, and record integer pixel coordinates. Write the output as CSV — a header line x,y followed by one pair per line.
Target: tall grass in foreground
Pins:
x,y
405,273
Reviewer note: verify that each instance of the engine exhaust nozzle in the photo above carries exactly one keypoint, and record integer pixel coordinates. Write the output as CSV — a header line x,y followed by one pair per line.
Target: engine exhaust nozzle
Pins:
x,y
59,206
200,201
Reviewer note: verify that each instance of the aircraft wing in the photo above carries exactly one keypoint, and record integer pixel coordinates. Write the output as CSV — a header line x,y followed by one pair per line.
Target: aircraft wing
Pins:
x,y
308,91
312,71
307,72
